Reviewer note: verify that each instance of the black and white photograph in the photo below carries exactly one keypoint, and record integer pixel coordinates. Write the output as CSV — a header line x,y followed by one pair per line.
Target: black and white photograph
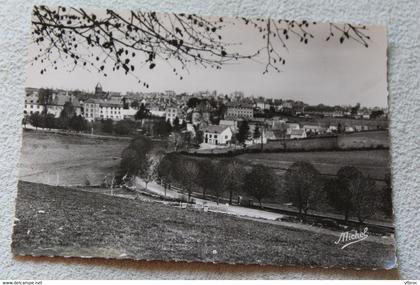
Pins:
x,y
189,138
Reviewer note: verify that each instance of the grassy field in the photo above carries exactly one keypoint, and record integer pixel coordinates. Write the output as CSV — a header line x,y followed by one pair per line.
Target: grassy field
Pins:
x,y
374,163
60,221
371,162
68,159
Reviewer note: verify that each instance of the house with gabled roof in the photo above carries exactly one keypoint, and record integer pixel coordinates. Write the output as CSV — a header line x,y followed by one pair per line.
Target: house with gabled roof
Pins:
x,y
217,134
298,134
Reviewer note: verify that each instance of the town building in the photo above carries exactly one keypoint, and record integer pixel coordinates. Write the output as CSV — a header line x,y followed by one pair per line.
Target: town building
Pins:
x,y
129,113
313,129
348,129
297,134
291,127
96,109
171,113
263,104
156,110
332,128
54,106
32,104
217,134
239,111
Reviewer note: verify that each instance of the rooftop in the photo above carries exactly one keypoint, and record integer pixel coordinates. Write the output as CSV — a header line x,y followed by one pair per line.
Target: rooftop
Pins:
x,y
215,129
238,105
297,132
103,103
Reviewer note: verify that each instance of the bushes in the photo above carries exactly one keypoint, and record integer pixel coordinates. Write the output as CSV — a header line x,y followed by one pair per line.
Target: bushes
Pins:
x,y
107,126
49,121
78,124
123,127
134,157
36,120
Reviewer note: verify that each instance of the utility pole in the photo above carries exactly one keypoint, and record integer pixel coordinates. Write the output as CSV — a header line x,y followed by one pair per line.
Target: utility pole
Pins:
x,y
262,135
112,186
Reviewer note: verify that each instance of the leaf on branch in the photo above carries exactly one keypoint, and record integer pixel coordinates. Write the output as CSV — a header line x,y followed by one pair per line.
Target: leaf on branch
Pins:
x,y
178,31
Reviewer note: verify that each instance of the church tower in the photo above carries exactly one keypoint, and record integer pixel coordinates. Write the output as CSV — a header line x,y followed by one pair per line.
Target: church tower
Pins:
x,y
98,90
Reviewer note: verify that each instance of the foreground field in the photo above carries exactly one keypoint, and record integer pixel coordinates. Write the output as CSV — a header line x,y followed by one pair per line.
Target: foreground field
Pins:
x,y
61,221
68,159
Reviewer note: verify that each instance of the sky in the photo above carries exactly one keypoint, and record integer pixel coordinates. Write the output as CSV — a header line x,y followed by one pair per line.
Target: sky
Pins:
x,y
320,72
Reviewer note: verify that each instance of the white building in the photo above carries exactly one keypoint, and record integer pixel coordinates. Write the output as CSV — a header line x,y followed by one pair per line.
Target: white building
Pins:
x,y
291,127
332,128
263,105
239,110
217,135
158,113
96,109
313,129
171,113
298,134
128,113
32,104
349,129
55,106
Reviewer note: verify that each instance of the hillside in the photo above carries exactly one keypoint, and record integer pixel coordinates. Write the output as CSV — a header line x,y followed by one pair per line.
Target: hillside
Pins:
x,y
63,221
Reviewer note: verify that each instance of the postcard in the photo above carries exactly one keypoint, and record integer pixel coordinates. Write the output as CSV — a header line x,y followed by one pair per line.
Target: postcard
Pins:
x,y
179,137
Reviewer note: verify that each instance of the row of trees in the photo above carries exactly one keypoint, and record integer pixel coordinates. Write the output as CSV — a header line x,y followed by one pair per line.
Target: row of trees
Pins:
x,y
67,120
122,127
350,192
215,178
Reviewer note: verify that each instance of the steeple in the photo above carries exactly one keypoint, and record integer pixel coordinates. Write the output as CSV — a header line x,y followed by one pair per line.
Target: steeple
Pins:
x,y
98,89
